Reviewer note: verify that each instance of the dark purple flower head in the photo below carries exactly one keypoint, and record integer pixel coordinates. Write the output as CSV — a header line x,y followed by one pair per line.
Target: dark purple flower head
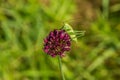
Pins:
x,y
57,42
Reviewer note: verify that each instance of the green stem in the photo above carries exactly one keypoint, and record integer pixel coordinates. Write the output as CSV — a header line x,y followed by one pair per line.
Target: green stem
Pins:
x,y
60,65
105,4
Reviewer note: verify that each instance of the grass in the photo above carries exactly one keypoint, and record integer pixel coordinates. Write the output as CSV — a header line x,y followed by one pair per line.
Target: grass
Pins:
x,y
25,23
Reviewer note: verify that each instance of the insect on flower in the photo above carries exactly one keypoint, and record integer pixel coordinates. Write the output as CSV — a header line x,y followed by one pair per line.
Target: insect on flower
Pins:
x,y
59,40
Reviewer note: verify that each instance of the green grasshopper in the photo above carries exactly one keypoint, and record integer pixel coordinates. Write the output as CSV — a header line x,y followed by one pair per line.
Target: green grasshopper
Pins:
x,y
73,34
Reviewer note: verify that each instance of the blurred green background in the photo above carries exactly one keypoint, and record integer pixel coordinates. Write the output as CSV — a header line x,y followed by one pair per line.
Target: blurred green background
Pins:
x,y
25,23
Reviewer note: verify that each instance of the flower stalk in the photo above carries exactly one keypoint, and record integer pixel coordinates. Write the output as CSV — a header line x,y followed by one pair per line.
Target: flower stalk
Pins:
x,y
60,66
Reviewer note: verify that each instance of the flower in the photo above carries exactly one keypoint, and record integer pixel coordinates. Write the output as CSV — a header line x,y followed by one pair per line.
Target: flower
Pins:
x,y
57,42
